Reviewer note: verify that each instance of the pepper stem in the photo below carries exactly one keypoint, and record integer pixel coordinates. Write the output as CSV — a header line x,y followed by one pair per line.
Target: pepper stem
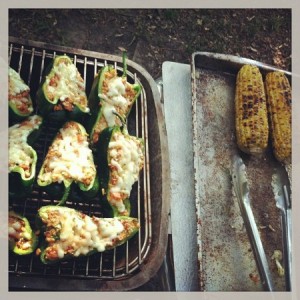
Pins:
x,y
65,196
123,121
124,59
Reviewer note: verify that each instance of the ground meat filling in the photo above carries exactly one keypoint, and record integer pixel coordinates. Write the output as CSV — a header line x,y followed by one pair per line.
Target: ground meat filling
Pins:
x,y
65,84
20,153
19,93
69,232
126,159
117,96
18,234
69,157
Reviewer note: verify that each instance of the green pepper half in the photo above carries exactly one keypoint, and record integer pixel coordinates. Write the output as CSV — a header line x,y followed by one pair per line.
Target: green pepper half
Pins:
x,y
19,100
69,233
69,161
61,95
22,156
110,94
22,240
120,157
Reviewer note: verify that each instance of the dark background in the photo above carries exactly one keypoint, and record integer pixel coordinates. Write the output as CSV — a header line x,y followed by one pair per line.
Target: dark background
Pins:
x,y
152,36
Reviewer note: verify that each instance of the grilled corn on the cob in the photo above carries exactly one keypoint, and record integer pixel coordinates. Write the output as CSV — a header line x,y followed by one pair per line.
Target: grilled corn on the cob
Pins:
x,y
251,119
278,92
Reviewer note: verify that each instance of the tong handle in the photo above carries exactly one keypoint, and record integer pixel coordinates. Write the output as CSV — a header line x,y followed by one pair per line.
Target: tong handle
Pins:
x,y
242,192
259,253
286,220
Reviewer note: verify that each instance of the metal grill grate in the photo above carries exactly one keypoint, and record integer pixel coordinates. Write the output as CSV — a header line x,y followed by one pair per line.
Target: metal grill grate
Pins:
x,y
116,264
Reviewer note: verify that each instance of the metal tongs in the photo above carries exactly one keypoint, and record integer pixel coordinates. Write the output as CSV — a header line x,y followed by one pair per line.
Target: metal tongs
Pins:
x,y
241,187
281,190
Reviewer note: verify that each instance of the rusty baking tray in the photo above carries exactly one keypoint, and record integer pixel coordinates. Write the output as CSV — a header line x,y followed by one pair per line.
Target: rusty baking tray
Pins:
x,y
133,264
226,261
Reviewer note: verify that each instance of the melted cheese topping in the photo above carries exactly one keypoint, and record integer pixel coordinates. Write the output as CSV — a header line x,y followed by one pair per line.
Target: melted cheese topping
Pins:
x,y
66,85
18,92
69,157
16,84
115,96
20,153
17,233
126,160
79,234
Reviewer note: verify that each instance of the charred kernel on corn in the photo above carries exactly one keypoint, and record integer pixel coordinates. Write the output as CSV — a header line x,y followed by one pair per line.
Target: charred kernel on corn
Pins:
x,y
278,91
251,117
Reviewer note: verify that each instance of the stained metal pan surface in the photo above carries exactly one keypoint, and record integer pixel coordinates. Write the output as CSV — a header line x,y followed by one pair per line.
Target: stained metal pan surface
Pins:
x,y
226,261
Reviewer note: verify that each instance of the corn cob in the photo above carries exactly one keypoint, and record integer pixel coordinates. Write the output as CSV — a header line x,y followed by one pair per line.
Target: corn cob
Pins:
x,y
251,119
278,92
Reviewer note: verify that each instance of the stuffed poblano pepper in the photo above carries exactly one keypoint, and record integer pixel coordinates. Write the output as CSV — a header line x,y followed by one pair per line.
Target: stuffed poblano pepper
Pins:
x,y
22,156
69,233
121,158
19,100
110,94
69,161
22,240
61,95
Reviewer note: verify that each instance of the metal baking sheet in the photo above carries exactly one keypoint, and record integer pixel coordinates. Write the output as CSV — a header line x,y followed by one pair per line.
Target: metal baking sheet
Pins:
x,y
226,260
